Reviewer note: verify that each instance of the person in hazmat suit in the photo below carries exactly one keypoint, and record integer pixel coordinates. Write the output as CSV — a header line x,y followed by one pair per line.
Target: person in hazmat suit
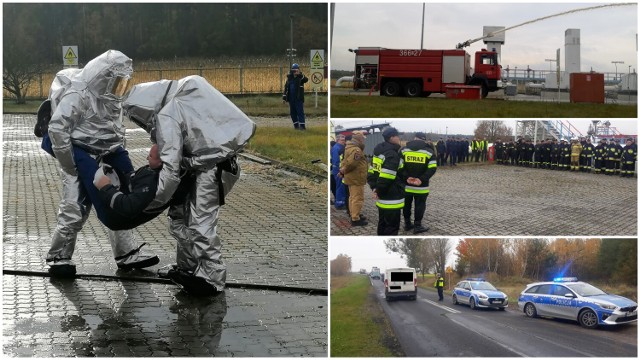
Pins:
x,y
199,132
81,126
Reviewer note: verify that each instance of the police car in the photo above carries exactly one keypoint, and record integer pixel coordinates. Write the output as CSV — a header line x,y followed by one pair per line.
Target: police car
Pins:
x,y
478,293
569,298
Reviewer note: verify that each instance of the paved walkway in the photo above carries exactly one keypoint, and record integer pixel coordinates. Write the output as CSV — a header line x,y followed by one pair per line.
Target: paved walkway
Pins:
x,y
494,200
274,232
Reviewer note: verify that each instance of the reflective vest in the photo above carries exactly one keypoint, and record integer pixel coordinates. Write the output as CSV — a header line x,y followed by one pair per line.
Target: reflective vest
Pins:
x,y
419,161
439,282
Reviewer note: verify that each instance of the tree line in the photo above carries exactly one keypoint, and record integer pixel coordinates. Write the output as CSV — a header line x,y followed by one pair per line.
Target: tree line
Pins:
x,y
146,31
542,259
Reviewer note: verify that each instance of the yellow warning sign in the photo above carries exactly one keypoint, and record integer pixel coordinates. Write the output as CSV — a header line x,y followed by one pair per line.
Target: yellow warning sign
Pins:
x,y
317,58
70,55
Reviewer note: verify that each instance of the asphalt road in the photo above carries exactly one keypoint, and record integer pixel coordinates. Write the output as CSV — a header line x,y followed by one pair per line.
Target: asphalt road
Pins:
x,y
429,328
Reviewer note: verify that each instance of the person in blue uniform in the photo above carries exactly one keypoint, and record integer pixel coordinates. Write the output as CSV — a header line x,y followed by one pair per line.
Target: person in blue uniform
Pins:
x,y
294,95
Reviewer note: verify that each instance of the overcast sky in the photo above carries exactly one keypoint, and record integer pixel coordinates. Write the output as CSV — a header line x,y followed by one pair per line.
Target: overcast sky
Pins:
x,y
607,34
367,252
467,126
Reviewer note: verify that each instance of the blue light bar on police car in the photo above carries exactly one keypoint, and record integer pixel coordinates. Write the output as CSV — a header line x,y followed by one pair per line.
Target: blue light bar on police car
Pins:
x,y
565,279
475,279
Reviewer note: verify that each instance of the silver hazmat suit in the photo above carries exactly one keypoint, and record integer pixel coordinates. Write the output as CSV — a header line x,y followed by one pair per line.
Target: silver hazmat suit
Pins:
x,y
195,127
86,113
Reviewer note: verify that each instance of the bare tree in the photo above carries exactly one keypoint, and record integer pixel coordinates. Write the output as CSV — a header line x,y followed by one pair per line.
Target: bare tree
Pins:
x,y
439,250
492,130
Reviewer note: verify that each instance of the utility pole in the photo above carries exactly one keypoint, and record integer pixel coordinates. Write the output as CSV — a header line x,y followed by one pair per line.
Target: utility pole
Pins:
x,y
422,28
291,51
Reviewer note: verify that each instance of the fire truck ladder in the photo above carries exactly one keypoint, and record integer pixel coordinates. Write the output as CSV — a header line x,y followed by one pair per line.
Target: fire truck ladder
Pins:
x,y
537,130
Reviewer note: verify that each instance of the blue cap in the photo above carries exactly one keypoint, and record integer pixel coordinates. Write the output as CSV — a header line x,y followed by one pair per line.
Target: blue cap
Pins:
x,y
295,67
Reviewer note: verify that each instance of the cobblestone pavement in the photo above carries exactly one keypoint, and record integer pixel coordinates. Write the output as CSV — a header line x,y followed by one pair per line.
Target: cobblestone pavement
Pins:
x,y
494,200
263,241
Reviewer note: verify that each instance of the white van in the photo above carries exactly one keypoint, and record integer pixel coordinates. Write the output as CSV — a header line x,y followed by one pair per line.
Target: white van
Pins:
x,y
400,283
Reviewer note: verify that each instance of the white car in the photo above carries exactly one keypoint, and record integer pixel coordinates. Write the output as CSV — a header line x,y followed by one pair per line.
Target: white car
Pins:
x,y
400,283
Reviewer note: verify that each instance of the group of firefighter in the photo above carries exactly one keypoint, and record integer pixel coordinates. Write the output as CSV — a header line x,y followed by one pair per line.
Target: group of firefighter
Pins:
x,y
460,150
607,157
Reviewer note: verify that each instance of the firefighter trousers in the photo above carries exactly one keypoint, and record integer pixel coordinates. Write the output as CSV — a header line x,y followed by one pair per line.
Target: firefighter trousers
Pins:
x,y
421,206
388,221
356,201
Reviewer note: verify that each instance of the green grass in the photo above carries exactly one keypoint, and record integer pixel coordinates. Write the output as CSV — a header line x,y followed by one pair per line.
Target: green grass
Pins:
x,y
353,332
349,106
252,105
271,105
283,144
292,146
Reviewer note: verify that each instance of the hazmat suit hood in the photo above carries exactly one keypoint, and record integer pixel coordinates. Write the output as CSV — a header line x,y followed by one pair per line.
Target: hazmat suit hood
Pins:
x,y
105,77
145,101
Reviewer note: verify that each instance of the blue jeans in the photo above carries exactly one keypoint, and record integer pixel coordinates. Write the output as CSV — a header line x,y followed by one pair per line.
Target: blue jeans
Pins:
x,y
341,193
87,166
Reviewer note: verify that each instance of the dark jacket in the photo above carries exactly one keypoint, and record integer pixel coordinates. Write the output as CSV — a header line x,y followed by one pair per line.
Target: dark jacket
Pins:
x,y
419,162
299,80
383,176
127,206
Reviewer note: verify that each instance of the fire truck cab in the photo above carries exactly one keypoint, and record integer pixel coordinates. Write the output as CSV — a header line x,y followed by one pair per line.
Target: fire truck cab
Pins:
x,y
414,73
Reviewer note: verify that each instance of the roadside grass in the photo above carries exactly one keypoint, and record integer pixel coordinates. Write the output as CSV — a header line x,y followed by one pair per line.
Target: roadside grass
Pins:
x,y
354,332
252,105
513,286
291,146
271,105
350,106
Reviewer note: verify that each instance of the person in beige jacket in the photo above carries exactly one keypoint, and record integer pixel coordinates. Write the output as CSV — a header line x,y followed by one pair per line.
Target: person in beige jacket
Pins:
x,y
354,174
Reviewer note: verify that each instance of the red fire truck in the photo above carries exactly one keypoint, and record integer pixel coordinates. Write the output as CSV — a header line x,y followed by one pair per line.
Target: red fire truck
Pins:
x,y
414,73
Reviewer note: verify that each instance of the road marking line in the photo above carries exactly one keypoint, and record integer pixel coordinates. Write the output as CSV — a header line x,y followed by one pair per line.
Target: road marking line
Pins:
x,y
446,308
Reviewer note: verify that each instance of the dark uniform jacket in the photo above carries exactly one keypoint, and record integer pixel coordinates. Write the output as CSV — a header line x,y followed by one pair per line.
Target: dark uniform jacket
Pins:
x,y
383,176
127,207
630,153
299,80
600,151
418,162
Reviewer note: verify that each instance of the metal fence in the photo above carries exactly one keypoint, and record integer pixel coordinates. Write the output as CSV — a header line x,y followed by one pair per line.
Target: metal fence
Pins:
x,y
228,80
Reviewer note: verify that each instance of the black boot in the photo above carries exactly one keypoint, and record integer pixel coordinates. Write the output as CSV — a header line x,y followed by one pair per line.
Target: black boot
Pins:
x,y
418,228
361,222
407,224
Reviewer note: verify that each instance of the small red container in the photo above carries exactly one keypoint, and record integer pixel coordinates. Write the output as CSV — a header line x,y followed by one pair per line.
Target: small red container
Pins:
x,y
587,88
468,92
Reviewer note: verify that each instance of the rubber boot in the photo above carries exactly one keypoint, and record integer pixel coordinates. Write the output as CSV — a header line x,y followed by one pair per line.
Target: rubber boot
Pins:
x,y
408,225
418,228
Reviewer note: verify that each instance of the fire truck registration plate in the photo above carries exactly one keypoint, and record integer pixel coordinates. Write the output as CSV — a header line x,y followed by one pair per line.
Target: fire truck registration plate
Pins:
x,y
410,52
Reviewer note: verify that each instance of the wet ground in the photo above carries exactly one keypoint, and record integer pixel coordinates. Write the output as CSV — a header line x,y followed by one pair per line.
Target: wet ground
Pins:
x,y
479,199
274,233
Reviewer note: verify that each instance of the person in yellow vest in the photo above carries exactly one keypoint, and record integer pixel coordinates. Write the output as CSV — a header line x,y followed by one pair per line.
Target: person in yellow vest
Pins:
x,y
387,186
353,171
439,284
576,150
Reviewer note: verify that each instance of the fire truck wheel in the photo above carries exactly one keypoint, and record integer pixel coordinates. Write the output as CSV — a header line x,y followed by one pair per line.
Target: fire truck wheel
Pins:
x,y
412,89
391,88
426,94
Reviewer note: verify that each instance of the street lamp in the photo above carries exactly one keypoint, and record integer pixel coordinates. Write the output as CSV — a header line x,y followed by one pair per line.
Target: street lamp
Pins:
x,y
616,65
550,61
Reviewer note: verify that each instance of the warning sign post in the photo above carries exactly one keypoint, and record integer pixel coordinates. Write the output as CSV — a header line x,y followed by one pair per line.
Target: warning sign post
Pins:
x,y
70,56
317,71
